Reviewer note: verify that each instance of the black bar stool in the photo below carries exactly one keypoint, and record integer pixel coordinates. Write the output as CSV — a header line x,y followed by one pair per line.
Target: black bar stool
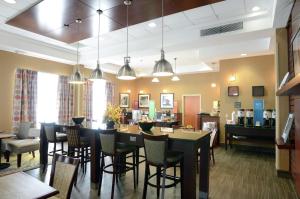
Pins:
x,y
55,137
158,155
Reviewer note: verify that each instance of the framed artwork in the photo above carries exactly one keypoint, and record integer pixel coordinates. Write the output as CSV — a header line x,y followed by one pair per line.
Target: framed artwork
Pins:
x,y
124,100
233,91
144,100
258,91
166,100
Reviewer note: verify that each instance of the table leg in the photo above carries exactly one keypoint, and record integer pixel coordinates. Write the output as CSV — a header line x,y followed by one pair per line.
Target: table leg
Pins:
x,y
204,168
2,165
43,149
95,159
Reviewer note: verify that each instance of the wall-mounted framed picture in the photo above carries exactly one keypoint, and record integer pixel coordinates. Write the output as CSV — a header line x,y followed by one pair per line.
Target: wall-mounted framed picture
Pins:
x,y
124,100
233,91
144,100
258,91
167,100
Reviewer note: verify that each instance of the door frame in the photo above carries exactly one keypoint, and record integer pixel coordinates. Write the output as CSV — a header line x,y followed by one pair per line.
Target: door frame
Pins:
x,y
182,103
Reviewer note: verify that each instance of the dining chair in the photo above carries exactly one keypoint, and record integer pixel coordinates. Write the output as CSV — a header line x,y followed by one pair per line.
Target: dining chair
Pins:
x,y
78,146
158,155
111,148
55,137
63,174
212,144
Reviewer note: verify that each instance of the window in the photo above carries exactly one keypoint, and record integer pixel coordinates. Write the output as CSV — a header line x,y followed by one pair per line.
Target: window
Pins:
x,y
99,102
47,110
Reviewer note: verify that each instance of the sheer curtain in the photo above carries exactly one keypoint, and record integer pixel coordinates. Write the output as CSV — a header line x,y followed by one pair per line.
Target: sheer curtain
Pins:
x,y
65,100
99,102
25,97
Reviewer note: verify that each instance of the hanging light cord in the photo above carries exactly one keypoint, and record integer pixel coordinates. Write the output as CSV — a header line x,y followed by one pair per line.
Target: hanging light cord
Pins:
x,y
77,53
127,31
98,54
175,63
162,23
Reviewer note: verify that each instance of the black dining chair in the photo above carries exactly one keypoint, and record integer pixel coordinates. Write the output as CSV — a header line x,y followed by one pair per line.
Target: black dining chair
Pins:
x,y
158,155
111,148
55,137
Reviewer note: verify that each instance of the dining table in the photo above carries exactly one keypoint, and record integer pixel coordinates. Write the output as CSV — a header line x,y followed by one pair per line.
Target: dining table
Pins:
x,y
22,185
184,141
4,136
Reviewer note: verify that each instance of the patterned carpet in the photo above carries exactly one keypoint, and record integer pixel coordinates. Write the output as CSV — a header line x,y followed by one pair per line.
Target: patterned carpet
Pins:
x,y
28,162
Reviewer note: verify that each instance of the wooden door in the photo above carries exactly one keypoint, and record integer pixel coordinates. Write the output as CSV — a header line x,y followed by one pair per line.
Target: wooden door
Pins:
x,y
191,109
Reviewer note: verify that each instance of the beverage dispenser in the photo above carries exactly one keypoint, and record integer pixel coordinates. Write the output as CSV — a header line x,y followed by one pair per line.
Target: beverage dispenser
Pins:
x,y
267,118
249,117
241,116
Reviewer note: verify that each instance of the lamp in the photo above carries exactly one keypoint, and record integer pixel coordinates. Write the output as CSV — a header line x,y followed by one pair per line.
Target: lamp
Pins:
x,y
155,80
76,77
175,77
97,73
126,72
162,67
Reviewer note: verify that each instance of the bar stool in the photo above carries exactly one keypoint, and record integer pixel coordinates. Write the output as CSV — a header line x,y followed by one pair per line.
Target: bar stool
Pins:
x,y
115,150
158,155
78,144
55,137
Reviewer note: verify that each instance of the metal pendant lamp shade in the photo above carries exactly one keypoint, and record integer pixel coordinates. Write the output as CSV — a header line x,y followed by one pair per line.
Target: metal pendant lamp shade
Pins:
x,y
76,78
97,73
175,78
162,67
126,72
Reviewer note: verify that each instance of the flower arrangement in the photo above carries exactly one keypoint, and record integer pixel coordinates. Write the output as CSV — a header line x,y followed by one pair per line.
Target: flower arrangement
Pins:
x,y
113,113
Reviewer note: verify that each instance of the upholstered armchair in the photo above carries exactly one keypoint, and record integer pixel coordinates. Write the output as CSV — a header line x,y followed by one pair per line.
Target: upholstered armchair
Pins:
x,y
24,142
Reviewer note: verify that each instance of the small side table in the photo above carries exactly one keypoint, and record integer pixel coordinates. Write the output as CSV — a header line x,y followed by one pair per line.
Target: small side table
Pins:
x,y
3,136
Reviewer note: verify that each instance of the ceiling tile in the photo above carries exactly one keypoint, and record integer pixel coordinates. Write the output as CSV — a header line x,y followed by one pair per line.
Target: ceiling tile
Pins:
x,y
6,10
229,8
176,21
201,12
263,4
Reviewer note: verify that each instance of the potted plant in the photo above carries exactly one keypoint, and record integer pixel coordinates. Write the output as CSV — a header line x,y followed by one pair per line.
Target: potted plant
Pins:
x,y
112,116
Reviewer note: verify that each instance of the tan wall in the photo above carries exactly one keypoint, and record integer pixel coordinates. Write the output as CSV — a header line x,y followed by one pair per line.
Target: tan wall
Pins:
x,y
251,71
188,84
9,62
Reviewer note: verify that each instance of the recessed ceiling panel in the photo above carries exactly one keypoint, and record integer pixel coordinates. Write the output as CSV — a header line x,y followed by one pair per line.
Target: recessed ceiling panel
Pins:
x,y
55,18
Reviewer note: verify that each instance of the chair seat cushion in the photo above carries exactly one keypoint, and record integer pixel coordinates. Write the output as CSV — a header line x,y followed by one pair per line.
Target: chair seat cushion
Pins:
x,y
124,148
61,137
22,146
174,156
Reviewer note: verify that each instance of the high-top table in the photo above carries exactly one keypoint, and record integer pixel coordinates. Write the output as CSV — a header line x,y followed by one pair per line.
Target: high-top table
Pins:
x,y
184,141
4,136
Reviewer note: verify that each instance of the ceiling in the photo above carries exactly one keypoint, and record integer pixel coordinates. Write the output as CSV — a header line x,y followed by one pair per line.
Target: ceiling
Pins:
x,y
194,53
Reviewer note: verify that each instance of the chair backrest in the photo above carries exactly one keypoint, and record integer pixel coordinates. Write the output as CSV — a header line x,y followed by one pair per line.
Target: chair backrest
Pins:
x,y
23,130
50,132
73,136
212,137
63,174
108,141
155,148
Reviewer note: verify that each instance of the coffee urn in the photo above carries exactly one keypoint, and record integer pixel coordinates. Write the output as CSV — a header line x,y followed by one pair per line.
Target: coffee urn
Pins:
x,y
273,119
241,116
267,118
249,117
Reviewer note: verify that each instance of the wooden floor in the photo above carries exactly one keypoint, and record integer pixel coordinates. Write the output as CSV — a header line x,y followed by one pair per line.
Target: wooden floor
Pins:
x,y
237,174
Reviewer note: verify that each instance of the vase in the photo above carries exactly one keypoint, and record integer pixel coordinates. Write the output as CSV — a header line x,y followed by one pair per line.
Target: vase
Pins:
x,y
110,124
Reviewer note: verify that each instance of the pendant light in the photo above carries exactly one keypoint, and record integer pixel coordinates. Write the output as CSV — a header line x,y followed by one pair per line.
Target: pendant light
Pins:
x,y
97,73
155,80
175,77
126,72
162,67
76,77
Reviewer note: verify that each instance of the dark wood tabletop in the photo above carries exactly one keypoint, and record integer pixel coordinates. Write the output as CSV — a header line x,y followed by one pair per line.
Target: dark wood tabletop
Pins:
x,y
22,185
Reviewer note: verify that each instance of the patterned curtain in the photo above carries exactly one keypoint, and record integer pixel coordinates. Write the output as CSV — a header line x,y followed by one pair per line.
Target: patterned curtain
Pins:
x,y
88,100
65,97
110,92
25,97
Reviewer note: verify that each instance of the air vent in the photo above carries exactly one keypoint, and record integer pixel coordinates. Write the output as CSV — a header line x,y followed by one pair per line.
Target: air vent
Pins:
x,y
221,29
